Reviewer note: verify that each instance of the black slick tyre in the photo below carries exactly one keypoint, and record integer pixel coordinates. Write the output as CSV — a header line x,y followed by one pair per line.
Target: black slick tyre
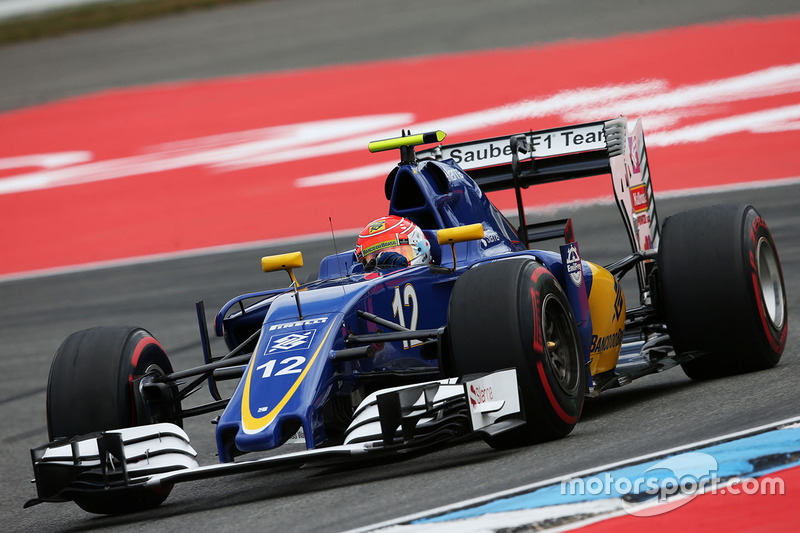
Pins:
x,y
722,290
89,390
513,313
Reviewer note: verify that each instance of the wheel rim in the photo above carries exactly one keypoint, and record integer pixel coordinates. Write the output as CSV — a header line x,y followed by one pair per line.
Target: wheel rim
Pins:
x,y
560,346
770,283
154,368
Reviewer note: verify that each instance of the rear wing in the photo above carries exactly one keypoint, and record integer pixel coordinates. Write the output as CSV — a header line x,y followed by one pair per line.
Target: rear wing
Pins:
x,y
570,152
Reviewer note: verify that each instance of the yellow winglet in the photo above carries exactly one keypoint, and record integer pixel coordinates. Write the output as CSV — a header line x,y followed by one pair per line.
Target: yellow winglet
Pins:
x,y
451,236
408,140
287,262
460,234
271,263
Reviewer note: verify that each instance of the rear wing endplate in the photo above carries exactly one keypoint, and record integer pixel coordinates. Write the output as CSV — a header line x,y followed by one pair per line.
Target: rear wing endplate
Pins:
x,y
565,153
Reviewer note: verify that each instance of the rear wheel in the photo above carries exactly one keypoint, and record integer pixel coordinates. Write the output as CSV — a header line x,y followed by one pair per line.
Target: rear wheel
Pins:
x,y
90,389
722,290
513,313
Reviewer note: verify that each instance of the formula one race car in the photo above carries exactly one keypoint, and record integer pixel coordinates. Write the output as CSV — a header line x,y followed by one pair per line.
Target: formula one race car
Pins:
x,y
489,335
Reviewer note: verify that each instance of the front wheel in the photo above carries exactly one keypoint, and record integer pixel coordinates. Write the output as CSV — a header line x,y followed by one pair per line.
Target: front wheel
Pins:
x,y
90,389
513,313
722,290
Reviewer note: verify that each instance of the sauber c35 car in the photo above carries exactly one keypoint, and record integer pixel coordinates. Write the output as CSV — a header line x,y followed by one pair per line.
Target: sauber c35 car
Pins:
x,y
493,336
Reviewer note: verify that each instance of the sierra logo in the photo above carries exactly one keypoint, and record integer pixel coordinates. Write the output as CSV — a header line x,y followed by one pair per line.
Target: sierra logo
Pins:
x,y
478,395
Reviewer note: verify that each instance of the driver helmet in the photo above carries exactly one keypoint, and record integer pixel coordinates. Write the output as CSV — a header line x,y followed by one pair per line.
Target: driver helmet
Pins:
x,y
393,234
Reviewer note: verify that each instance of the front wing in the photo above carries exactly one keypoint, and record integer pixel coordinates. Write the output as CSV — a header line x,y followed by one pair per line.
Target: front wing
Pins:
x,y
388,422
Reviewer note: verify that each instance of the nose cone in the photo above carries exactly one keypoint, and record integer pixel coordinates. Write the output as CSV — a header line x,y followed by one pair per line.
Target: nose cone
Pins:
x,y
281,385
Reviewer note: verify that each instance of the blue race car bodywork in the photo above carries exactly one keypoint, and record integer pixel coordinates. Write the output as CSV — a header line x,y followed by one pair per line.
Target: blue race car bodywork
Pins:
x,y
293,375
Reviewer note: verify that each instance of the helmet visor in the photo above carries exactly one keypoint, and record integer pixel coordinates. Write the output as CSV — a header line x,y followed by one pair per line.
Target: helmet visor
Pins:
x,y
405,250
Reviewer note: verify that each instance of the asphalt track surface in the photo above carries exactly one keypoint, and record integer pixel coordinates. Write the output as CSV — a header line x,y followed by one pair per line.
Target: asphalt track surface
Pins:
x,y
654,413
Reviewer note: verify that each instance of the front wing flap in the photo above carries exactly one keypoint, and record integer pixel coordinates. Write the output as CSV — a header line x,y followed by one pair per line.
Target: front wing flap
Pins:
x,y
387,422
108,460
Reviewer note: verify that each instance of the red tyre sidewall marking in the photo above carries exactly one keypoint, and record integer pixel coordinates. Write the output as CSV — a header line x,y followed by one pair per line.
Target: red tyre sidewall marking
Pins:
x,y
777,346
137,352
551,397
538,346
538,342
140,346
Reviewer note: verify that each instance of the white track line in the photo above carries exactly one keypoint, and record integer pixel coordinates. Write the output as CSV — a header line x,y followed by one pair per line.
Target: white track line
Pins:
x,y
252,245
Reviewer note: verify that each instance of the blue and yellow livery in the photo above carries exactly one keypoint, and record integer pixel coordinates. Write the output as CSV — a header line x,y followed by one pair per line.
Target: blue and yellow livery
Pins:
x,y
503,333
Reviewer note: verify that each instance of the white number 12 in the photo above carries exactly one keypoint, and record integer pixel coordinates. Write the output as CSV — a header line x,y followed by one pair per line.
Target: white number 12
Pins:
x,y
293,362
408,299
